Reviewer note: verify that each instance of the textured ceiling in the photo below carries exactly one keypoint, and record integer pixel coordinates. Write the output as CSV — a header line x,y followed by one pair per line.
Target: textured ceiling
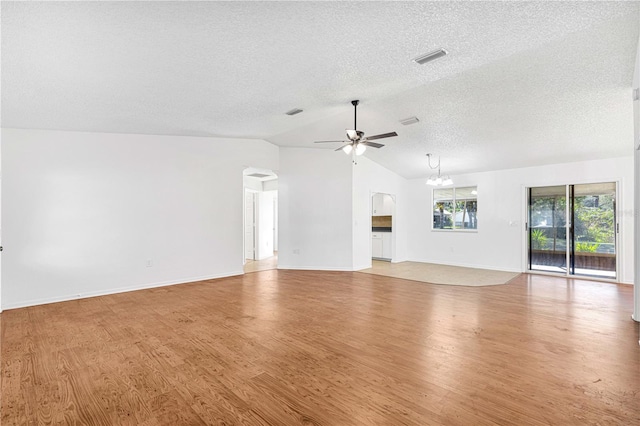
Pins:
x,y
523,84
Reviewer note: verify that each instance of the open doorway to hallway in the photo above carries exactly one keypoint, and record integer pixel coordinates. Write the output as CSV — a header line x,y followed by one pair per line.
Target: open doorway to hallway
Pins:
x,y
260,243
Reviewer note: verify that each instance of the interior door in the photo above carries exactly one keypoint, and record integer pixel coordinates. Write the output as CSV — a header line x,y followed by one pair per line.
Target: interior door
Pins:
x,y
249,225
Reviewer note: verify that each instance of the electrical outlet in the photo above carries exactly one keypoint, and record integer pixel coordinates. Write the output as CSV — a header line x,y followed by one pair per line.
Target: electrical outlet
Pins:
x,y
296,251
149,263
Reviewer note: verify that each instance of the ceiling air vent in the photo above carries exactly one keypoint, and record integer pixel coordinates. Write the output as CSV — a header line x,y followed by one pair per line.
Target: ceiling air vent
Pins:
x,y
294,111
410,120
428,57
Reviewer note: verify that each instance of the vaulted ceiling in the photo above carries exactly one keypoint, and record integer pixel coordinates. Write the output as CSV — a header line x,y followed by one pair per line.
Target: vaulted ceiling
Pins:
x,y
524,83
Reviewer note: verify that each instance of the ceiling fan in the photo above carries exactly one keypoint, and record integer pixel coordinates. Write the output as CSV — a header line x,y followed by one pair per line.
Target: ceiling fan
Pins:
x,y
357,141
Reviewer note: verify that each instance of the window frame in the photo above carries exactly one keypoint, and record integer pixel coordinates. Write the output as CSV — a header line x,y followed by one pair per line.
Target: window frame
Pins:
x,y
453,201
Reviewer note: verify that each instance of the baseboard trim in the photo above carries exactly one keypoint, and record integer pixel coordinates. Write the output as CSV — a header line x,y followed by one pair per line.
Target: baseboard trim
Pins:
x,y
361,267
77,296
317,268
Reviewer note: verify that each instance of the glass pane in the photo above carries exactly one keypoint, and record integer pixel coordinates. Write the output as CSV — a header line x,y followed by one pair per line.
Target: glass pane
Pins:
x,y
466,208
443,214
594,230
467,193
466,214
443,194
547,229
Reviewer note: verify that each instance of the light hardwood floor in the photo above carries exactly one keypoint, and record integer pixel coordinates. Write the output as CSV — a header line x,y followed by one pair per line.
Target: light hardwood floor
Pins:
x,y
332,348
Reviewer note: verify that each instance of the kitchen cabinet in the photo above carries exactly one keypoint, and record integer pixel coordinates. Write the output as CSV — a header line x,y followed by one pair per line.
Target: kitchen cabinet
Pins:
x,y
386,245
382,205
376,245
381,245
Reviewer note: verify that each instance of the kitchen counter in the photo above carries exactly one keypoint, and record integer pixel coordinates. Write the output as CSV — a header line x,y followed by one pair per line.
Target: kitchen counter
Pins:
x,y
381,229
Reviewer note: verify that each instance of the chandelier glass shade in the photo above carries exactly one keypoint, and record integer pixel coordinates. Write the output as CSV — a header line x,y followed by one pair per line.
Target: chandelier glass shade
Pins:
x,y
359,148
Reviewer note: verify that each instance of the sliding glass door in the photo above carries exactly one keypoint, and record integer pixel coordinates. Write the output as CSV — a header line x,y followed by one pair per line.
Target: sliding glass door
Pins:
x,y
593,248
585,244
548,229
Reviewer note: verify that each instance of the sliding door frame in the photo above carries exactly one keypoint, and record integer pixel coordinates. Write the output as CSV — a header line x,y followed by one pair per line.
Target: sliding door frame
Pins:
x,y
526,240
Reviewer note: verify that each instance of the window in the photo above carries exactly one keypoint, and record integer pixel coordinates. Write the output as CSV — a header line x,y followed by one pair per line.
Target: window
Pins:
x,y
455,208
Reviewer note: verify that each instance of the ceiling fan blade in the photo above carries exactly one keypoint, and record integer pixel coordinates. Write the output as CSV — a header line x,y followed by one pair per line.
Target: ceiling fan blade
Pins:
x,y
381,136
330,141
372,144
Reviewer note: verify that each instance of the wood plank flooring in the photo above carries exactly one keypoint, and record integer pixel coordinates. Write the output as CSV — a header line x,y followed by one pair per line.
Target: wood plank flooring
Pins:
x,y
327,348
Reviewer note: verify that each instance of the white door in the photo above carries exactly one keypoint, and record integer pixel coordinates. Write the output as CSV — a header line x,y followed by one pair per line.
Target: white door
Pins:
x,y
249,225
275,223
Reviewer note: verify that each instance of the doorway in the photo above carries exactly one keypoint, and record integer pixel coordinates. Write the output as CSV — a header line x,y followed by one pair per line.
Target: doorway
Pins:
x,y
260,244
572,229
382,218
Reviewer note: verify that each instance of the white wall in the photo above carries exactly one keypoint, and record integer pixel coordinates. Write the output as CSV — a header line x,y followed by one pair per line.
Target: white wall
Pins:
x,y
314,211
500,240
636,168
370,177
1,221
252,183
85,212
270,185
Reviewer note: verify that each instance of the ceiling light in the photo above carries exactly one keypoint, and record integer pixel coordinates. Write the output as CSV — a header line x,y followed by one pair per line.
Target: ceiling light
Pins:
x,y
428,57
410,120
294,111
438,180
347,149
360,148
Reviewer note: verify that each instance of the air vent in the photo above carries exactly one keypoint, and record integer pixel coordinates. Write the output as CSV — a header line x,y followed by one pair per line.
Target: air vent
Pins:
x,y
294,111
258,175
431,56
410,120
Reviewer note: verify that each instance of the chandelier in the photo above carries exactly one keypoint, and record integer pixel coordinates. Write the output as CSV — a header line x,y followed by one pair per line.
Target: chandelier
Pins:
x,y
438,179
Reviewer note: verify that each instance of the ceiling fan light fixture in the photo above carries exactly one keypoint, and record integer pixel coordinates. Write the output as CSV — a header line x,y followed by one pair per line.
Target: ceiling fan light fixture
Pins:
x,y
357,143
431,56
